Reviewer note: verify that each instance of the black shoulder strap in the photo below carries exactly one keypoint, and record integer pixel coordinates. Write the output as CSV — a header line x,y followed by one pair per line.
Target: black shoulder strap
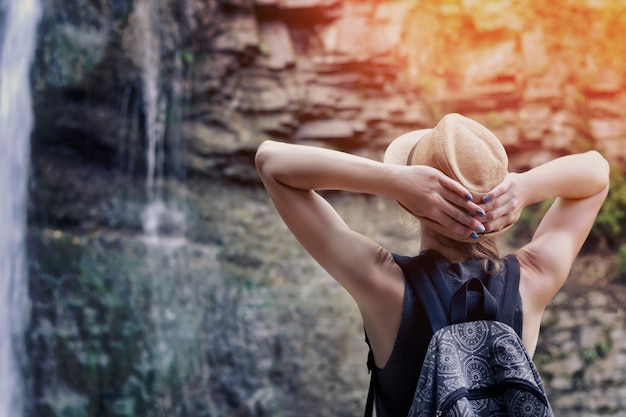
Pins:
x,y
508,311
435,308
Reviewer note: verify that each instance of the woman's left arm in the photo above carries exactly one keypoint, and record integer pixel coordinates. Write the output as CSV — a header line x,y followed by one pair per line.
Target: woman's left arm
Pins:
x,y
292,173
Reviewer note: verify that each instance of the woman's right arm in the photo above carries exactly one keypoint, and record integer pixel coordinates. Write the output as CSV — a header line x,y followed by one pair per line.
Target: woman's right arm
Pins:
x,y
580,184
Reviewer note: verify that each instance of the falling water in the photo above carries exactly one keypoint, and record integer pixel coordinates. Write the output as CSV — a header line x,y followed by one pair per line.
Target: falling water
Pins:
x,y
152,99
20,19
153,107
163,224
157,212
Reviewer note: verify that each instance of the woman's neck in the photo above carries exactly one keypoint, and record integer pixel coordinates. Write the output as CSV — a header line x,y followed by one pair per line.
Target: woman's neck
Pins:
x,y
432,240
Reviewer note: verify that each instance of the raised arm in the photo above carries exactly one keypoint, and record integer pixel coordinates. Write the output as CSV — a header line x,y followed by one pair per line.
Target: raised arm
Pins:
x,y
292,173
580,184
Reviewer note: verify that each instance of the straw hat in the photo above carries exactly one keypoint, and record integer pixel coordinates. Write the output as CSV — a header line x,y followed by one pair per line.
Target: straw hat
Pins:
x,y
461,148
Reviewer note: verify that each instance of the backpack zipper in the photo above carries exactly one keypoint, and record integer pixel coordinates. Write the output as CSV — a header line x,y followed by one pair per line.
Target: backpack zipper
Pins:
x,y
478,393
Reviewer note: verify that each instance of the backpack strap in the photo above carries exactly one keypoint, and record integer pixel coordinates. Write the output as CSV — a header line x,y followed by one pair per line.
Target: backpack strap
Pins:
x,y
510,298
498,298
434,306
486,309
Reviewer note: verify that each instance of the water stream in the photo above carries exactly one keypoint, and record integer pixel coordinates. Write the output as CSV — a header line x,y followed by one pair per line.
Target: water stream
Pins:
x,y
158,212
18,34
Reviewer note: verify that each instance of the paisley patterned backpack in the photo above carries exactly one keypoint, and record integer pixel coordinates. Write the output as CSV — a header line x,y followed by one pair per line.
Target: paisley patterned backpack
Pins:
x,y
476,364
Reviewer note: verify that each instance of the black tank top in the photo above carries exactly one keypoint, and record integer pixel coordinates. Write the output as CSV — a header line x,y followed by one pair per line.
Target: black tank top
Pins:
x,y
395,383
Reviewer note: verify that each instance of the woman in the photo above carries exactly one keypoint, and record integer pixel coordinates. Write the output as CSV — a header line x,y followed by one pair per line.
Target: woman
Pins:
x,y
454,179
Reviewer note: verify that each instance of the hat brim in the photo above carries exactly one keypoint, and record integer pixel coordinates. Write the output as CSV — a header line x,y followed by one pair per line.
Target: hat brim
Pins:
x,y
397,153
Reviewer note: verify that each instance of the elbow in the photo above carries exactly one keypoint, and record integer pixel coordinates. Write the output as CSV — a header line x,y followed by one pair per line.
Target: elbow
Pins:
x,y
602,169
264,158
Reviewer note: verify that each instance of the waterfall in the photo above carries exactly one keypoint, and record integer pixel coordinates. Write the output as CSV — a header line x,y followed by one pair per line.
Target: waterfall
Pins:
x,y
150,63
152,99
157,213
18,37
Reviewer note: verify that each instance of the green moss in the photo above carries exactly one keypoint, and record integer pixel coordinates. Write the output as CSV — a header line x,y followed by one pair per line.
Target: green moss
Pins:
x,y
495,120
264,48
71,52
599,351
188,56
85,334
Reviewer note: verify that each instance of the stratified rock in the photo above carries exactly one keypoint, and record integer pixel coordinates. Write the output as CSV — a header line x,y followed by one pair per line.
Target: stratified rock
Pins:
x,y
566,131
305,4
534,54
262,100
535,121
607,128
241,33
206,139
496,15
276,46
325,130
485,98
614,149
604,82
544,90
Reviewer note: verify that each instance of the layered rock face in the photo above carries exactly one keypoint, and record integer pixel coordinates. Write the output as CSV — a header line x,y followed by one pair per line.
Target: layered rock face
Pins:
x,y
163,282
350,75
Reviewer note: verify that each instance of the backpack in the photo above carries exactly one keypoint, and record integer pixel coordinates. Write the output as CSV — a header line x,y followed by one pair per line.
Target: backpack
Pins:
x,y
476,364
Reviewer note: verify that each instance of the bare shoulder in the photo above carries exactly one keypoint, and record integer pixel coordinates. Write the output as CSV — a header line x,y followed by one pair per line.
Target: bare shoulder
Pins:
x,y
385,283
536,290
381,304
539,281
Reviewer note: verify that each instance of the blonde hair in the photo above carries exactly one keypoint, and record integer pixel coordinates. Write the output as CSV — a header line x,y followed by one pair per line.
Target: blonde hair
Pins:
x,y
486,249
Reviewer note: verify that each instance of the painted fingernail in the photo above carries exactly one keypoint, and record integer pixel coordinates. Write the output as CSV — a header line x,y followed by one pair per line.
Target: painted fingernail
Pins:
x,y
473,235
480,228
486,199
480,212
468,196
